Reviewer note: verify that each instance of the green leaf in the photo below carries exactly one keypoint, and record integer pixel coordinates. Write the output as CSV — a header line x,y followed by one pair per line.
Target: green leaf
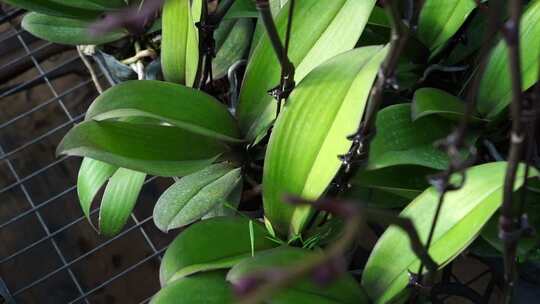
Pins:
x,y
53,8
93,174
180,106
474,34
233,38
322,29
431,101
119,199
405,181
242,9
461,218
92,4
203,288
194,195
216,243
304,165
343,290
401,141
65,30
157,150
440,20
495,90
178,45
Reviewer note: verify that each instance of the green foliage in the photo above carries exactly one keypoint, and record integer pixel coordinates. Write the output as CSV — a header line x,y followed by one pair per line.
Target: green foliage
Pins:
x,y
304,165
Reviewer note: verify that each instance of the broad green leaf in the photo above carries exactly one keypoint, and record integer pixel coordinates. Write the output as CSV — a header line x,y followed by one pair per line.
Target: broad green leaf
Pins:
x,y
229,207
343,290
474,35
232,41
178,34
194,195
431,101
192,44
328,105
440,20
119,199
401,141
92,4
321,30
65,30
495,90
217,243
405,181
376,198
461,218
93,174
242,9
202,288
180,106
152,149
53,8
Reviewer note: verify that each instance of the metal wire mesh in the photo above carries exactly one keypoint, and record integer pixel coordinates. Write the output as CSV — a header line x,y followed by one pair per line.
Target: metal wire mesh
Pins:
x,y
49,253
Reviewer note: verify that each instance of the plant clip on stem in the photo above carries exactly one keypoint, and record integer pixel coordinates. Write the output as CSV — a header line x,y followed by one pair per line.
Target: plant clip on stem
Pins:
x,y
207,44
261,285
287,84
358,153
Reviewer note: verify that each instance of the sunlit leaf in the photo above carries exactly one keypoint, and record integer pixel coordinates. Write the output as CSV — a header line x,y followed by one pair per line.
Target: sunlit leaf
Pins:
x,y
343,290
461,218
440,20
495,90
153,149
217,243
321,30
65,30
184,107
119,199
328,105
202,288
178,44
195,195
93,174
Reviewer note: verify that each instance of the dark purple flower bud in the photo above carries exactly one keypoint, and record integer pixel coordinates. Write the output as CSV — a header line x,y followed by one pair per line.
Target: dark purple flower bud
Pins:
x,y
246,285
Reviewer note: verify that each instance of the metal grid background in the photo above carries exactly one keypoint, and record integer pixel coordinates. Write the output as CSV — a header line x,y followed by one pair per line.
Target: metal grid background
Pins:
x,y
49,253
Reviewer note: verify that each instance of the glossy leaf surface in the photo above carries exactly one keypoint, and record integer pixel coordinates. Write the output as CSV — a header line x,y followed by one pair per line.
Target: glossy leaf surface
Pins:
x,y
180,106
440,20
202,288
462,216
322,30
328,105
194,195
343,290
233,38
53,8
119,199
65,30
229,241
495,90
153,149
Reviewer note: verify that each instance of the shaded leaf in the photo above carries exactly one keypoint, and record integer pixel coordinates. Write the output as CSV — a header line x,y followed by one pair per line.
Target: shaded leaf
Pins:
x,y
495,90
93,174
184,107
65,30
400,141
119,199
304,165
343,290
217,243
153,149
92,4
440,20
242,9
462,216
52,8
233,38
194,195
431,101
202,288
322,29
